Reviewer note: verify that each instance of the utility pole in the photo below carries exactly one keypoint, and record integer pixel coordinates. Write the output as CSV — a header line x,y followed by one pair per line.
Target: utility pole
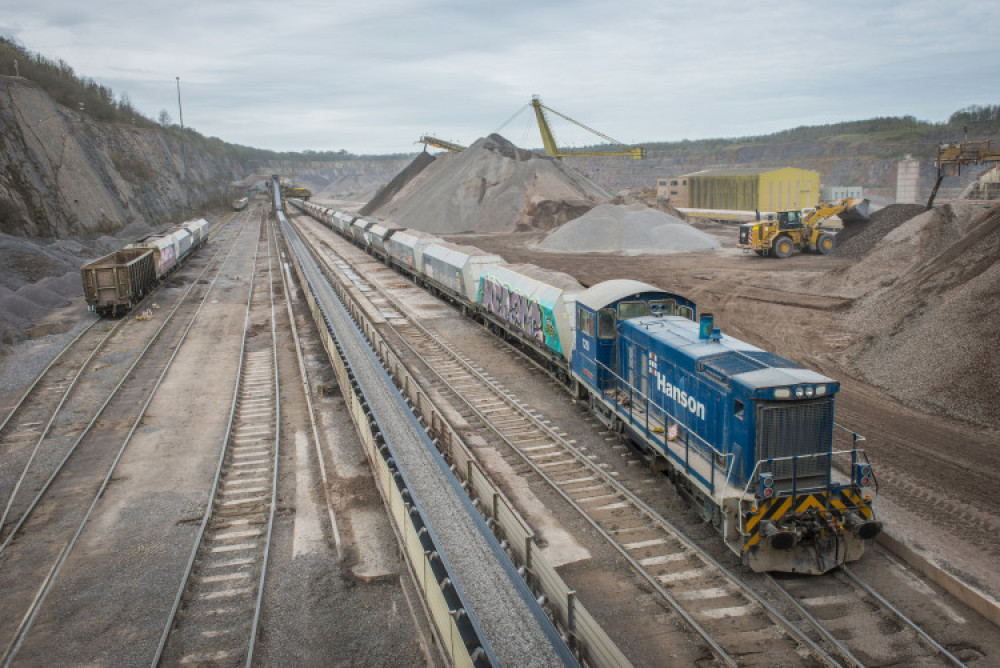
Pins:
x,y
180,112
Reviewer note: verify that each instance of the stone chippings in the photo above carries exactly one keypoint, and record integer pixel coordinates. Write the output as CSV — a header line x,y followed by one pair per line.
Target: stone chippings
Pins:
x,y
501,612
925,314
611,228
856,239
491,187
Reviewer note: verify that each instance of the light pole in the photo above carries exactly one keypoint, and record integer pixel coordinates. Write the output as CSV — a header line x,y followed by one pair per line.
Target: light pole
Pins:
x,y
180,112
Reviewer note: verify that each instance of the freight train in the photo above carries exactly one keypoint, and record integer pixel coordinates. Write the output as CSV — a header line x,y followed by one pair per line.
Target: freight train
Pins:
x,y
747,437
118,281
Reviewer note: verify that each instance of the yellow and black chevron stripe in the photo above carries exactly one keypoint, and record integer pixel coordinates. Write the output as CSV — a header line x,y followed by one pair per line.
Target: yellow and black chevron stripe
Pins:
x,y
836,504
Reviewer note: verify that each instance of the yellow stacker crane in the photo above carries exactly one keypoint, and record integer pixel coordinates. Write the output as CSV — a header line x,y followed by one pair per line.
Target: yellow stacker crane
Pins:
x,y
441,143
792,230
549,140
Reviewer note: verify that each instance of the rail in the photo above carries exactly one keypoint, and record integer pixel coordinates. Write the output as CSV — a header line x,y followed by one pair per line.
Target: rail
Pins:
x,y
451,444
46,586
457,630
255,552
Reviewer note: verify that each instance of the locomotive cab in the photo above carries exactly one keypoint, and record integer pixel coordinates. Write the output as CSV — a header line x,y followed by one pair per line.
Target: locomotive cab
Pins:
x,y
599,312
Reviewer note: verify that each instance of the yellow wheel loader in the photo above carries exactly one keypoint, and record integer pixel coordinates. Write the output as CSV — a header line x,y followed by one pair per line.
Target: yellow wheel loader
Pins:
x,y
787,231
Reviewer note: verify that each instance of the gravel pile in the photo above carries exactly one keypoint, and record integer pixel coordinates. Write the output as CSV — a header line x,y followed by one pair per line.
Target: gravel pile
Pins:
x,y
491,187
385,195
928,317
611,228
856,239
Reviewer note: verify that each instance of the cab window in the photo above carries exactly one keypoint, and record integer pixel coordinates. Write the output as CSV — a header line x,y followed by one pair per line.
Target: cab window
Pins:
x,y
585,322
629,310
606,323
663,306
686,311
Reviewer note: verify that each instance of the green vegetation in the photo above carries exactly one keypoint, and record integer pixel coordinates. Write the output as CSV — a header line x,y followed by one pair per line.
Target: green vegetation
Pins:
x,y
881,134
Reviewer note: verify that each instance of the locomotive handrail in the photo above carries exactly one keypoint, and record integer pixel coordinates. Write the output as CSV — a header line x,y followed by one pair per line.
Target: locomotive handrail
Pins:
x,y
709,452
794,458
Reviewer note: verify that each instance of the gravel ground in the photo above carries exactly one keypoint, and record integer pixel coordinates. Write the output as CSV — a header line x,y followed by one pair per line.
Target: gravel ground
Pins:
x,y
21,362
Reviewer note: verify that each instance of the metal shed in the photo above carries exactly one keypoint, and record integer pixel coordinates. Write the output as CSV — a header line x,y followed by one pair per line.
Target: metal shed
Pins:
x,y
754,189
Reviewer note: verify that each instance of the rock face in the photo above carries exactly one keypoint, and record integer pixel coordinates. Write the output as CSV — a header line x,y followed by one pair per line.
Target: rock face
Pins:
x,y
492,187
62,174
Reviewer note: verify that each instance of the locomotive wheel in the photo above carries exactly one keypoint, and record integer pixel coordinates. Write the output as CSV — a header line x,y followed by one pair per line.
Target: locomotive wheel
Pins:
x,y
783,247
825,243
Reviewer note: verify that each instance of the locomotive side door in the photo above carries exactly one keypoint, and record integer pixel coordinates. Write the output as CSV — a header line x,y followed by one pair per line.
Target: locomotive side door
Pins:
x,y
607,334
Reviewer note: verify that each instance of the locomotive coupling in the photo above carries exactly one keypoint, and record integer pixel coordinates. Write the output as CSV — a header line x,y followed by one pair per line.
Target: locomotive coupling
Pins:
x,y
779,539
862,528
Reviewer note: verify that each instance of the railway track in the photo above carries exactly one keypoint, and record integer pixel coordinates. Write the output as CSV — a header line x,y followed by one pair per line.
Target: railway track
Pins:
x,y
215,614
741,626
36,436
49,526
714,604
831,606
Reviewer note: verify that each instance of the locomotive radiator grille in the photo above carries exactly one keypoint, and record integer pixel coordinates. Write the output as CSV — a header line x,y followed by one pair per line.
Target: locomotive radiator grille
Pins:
x,y
800,428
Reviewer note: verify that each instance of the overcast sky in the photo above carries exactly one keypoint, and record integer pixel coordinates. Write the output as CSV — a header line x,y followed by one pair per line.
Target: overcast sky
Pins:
x,y
371,76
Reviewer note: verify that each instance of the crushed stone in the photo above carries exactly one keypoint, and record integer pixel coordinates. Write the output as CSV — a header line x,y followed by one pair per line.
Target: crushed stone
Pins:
x,y
491,187
926,315
612,228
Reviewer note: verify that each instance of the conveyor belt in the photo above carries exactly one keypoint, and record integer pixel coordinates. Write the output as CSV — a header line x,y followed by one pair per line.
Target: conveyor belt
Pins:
x,y
514,627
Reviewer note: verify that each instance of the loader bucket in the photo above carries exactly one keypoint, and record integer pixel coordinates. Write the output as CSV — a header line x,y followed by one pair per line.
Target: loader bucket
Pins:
x,y
857,212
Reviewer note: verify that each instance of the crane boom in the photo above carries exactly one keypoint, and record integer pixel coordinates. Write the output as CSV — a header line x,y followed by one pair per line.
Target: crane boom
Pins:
x,y
441,143
549,140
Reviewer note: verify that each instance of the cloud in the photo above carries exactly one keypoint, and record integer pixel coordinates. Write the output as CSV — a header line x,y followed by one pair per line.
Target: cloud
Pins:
x,y
373,76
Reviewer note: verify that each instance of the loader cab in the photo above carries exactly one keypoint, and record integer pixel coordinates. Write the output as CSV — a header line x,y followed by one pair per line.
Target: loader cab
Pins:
x,y
789,220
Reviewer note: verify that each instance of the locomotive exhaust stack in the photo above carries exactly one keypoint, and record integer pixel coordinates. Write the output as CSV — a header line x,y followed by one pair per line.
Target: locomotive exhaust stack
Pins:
x,y
707,331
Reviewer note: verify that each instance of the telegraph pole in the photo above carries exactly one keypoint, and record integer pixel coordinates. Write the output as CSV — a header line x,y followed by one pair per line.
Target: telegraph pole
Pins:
x,y
180,112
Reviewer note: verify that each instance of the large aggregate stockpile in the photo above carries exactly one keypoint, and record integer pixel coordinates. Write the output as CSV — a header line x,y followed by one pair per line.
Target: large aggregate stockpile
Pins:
x,y
926,313
491,187
611,228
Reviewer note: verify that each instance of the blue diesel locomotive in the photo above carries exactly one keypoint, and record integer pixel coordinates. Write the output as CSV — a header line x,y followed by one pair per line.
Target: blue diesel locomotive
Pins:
x,y
747,437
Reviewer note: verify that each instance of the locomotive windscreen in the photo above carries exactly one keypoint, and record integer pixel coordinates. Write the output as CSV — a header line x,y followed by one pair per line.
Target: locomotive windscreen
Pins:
x,y
796,428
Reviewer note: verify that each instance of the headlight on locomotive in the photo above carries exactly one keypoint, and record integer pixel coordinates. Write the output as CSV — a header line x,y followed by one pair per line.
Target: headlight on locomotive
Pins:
x,y
765,486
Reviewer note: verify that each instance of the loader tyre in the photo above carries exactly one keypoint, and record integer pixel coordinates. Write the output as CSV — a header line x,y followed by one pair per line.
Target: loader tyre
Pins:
x,y
783,247
825,243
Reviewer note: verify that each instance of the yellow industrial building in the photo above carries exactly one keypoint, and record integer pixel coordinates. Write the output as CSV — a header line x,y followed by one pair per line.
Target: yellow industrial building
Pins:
x,y
756,189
